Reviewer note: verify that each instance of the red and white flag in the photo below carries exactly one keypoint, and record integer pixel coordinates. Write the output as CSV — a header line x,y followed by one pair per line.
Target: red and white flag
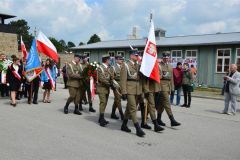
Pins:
x,y
23,48
92,88
149,66
45,46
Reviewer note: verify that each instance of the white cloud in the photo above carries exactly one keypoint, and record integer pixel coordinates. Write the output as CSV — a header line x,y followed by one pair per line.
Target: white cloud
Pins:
x,y
213,27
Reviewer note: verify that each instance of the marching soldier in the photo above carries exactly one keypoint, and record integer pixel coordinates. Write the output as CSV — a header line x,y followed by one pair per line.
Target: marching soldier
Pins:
x,y
131,88
74,83
115,73
150,87
86,87
166,86
103,87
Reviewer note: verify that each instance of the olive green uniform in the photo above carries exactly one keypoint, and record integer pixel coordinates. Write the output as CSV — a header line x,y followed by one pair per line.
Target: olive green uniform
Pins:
x,y
74,72
166,85
103,86
132,87
115,74
150,87
86,88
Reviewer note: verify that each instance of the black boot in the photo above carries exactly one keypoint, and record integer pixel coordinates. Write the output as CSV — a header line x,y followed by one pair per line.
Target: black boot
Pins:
x,y
113,115
189,100
121,113
91,109
102,122
143,124
80,107
66,108
159,120
157,128
173,121
124,126
139,131
76,111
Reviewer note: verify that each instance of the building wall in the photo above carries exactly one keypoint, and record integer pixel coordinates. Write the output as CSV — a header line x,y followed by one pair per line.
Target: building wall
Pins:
x,y
8,43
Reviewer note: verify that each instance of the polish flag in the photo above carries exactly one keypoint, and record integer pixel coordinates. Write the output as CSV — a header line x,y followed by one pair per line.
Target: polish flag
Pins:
x,y
92,88
45,46
23,48
149,66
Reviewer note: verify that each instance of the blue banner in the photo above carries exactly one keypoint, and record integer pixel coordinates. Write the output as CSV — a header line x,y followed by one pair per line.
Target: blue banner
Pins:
x,y
33,61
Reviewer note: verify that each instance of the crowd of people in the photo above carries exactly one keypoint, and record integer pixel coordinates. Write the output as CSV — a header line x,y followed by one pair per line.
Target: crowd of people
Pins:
x,y
14,83
124,79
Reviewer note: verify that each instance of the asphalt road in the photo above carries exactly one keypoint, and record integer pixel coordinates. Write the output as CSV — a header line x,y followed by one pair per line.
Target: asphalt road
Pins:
x,y
43,132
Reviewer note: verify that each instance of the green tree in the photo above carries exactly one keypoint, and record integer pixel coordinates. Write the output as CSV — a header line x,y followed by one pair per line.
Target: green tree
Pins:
x,y
70,44
94,38
22,29
63,44
81,43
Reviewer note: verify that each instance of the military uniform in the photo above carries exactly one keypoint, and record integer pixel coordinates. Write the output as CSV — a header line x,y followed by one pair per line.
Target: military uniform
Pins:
x,y
74,84
150,87
166,86
86,88
131,87
115,74
103,90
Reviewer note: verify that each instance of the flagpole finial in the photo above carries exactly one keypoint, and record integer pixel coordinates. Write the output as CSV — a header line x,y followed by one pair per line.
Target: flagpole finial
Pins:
x,y
151,16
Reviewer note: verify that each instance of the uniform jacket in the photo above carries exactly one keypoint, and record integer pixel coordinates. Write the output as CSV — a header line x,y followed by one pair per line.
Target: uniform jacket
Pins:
x,y
130,79
234,85
166,71
150,85
115,72
104,79
74,72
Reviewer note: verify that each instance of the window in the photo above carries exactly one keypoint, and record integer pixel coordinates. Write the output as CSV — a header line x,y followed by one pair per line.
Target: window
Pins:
x,y
223,60
176,56
191,56
111,53
122,53
238,58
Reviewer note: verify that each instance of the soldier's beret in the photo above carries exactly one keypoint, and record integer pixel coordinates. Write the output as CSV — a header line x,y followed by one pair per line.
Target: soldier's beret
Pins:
x,y
119,57
105,56
166,54
134,51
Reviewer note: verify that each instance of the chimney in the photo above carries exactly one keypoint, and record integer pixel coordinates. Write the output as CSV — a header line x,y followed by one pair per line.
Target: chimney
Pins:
x,y
159,32
134,34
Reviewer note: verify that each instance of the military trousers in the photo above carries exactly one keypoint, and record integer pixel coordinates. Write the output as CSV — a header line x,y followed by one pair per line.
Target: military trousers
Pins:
x,y
131,109
117,100
103,98
74,95
151,105
163,102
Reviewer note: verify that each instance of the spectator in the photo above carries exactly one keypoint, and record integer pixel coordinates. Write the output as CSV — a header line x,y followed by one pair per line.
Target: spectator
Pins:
x,y
232,89
4,89
65,77
187,85
194,71
48,79
14,79
177,77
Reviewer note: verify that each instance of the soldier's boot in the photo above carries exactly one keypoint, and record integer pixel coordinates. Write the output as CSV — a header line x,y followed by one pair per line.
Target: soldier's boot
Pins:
x,y
80,107
91,109
102,121
159,120
124,126
157,128
66,108
143,124
121,113
76,111
139,131
113,115
173,121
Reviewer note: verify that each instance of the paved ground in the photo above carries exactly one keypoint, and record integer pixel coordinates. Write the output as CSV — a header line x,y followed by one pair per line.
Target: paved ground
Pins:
x,y
43,132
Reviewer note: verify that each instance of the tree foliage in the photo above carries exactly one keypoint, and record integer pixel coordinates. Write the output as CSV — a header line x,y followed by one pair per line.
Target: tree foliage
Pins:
x,y
94,38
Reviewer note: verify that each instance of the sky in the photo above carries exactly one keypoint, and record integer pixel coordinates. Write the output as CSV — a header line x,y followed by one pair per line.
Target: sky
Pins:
x,y
77,20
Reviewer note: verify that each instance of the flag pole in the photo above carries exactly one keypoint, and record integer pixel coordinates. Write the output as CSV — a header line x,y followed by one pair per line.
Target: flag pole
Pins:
x,y
146,103
31,83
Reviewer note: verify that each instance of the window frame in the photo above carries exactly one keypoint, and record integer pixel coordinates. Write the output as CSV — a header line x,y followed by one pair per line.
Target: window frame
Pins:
x,y
177,56
237,57
122,52
88,53
110,52
223,59
191,53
